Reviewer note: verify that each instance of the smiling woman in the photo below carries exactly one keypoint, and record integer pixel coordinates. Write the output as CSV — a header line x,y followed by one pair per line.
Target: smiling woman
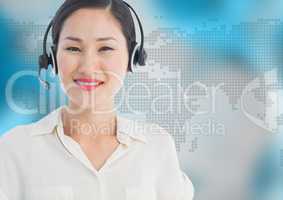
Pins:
x,y
92,58
85,150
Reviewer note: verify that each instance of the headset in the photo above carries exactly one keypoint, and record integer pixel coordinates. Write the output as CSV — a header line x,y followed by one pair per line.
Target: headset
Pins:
x,y
137,53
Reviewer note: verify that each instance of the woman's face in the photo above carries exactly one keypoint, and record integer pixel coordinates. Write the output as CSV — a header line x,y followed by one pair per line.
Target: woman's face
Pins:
x,y
92,50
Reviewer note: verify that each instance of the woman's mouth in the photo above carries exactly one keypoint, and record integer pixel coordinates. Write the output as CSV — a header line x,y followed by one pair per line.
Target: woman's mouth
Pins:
x,y
88,84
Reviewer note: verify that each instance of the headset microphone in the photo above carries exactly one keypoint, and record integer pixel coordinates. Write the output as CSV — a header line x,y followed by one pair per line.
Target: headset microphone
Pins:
x,y
44,60
44,83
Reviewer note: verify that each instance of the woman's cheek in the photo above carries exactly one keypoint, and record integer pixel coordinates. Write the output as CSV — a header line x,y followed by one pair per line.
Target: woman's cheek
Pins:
x,y
65,65
64,70
117,67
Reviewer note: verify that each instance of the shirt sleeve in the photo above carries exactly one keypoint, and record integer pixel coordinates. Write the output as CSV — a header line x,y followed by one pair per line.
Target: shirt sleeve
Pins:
x,y
10,186
188,188
172,182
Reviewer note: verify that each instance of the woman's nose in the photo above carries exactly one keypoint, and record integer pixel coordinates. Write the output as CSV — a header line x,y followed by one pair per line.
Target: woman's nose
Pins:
x,y
90,63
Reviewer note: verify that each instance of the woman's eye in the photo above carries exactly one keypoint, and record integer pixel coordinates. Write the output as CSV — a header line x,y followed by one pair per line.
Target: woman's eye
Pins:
x,y
106,49
72,49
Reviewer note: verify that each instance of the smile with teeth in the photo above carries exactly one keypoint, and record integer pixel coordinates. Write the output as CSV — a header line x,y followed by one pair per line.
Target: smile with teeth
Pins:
x,y
85,83
88,84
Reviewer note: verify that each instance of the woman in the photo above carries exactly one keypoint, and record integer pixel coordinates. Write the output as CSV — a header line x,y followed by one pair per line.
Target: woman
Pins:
x,y
85,150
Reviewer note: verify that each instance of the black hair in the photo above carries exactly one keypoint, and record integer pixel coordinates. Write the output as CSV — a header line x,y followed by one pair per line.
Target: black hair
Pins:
x,y
116,7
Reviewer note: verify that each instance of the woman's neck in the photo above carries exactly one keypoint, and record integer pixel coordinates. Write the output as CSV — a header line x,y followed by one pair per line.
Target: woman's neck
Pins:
x,y
88,123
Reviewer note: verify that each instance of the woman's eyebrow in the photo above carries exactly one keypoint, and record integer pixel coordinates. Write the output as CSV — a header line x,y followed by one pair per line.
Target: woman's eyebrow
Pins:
x,y
97,39
73,39
105,39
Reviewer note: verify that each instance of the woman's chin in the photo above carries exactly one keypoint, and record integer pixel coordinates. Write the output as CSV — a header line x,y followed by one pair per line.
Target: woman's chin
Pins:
x,y
99,104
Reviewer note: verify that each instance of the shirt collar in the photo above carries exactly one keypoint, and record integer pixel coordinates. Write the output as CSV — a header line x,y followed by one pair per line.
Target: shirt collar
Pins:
x,y
127,129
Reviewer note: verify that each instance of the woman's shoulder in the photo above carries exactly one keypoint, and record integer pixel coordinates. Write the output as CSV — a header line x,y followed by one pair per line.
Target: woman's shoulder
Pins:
x,y
23,134
15,137
156,135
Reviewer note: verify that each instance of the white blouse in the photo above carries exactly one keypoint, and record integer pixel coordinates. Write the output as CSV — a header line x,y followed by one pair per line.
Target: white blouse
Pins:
x,y
39,162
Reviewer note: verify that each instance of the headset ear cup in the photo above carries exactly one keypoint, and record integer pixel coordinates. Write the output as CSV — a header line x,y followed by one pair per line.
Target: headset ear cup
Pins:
x,y
53,60
137,56
43,61
133,58
142,56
